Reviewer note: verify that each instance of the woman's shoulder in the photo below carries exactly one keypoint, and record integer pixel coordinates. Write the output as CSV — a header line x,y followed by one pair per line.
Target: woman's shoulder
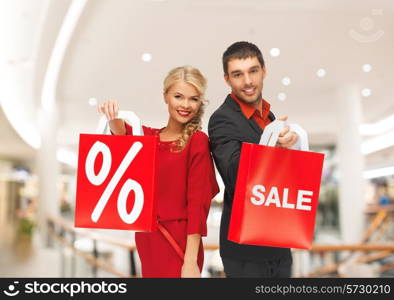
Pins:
x,y
150,130
145,129
200,136
199,140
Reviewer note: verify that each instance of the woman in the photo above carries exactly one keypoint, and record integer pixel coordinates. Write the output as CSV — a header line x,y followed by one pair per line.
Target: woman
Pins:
x,y
187,180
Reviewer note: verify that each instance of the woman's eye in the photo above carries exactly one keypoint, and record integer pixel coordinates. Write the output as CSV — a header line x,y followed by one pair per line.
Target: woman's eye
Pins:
x,y
177,96
195,99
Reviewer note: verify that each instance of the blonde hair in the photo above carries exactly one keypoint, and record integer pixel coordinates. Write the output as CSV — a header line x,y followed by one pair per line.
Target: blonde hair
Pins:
x,y
194,77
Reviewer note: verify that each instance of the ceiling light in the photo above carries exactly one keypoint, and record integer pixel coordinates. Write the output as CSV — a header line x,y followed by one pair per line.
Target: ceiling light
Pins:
x,y
378,143
367,68
378,127
321,73
366,92
274,52
146,57
286,81
381,172
92,101
282,96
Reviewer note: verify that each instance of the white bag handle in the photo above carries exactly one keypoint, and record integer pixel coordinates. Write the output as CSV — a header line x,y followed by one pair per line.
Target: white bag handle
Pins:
x,y
128,116
271,134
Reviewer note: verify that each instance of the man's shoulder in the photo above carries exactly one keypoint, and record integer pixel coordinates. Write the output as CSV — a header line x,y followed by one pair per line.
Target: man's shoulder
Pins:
x,y
225,112
221,110
226,121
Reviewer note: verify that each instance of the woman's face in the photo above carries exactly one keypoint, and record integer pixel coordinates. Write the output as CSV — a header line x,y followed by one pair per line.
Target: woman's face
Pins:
x,y
183,101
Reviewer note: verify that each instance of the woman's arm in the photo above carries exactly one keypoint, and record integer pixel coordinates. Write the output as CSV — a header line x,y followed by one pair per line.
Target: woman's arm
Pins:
x,y
190,267
117,127
110,109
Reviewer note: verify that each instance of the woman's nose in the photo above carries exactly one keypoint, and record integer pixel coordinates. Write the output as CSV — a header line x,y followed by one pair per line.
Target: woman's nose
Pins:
x,y
185,103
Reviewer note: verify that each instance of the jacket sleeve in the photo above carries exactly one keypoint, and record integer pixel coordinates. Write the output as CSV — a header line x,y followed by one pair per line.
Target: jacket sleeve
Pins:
x,y
226,142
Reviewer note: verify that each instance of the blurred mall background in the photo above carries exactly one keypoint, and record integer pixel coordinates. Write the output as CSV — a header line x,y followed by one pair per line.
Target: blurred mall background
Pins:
x,y
330,69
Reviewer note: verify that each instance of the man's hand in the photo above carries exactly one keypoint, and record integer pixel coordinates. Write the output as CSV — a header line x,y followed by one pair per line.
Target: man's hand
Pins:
x,y
287,138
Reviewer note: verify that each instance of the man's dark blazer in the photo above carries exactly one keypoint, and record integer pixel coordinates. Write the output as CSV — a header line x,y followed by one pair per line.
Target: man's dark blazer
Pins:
x,y
227,129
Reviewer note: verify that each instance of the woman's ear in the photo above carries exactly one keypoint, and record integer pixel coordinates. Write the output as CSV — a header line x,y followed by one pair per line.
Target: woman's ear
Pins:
x,y
165,98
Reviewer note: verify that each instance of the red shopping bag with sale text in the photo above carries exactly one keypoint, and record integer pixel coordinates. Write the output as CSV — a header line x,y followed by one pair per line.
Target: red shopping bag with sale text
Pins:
x,y
116,179
277,192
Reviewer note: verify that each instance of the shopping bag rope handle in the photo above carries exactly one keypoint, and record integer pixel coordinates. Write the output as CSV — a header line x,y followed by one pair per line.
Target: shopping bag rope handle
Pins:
x,y
271,134
171,240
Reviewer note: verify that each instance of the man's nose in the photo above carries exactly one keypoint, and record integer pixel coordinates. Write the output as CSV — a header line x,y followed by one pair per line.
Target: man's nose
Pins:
x,y
248,79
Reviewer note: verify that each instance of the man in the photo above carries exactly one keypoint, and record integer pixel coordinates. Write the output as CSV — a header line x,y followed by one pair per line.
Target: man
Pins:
x,y
242,118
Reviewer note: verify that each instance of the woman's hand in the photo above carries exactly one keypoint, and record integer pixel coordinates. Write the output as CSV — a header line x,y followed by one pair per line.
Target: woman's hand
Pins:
x,y
190,270
109,108
190,267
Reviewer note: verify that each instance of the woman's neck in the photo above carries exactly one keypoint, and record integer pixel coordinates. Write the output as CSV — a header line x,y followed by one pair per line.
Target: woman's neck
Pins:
x,y
172,131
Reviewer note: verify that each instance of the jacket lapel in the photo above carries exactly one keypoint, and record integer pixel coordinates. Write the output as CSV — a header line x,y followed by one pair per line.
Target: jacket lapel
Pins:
x,y
255,126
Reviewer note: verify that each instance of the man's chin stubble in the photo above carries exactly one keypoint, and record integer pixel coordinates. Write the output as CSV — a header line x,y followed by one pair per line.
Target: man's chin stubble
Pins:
x,y
254,102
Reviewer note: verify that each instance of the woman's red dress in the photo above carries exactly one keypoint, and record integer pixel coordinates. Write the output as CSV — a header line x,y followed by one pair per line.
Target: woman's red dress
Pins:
x,y
185,188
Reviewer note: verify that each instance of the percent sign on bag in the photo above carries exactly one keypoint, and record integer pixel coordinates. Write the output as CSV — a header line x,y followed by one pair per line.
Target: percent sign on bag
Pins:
x,y
116,182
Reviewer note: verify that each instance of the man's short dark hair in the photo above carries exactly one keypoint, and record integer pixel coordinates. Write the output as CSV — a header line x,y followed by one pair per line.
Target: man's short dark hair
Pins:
x,y
241,50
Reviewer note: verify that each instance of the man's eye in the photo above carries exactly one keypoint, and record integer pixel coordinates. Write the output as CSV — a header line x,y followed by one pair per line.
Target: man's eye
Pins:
x,y
254,71
237,75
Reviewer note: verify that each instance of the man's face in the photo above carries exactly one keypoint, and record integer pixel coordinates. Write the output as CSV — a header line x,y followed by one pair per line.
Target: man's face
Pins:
x,y
245,77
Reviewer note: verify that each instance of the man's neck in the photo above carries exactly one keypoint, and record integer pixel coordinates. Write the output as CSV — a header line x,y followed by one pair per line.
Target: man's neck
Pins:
x,y
256,104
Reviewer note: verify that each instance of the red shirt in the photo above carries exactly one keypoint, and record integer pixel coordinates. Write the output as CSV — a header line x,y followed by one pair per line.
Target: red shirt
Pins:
x,y
187,181
260,114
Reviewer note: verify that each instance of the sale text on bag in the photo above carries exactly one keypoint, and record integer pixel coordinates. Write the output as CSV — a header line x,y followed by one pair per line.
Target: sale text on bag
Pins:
x,y
303,201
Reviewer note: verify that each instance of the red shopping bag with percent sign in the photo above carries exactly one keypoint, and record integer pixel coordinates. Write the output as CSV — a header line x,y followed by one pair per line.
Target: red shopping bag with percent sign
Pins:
x,y
116,179
277,191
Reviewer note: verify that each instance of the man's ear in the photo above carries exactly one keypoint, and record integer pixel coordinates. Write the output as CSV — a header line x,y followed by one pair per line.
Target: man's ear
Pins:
x,y
264,72
226,78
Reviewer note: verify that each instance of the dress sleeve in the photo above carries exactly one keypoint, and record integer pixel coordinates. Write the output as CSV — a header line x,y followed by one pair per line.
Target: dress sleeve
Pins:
x,y
201,184
129,130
